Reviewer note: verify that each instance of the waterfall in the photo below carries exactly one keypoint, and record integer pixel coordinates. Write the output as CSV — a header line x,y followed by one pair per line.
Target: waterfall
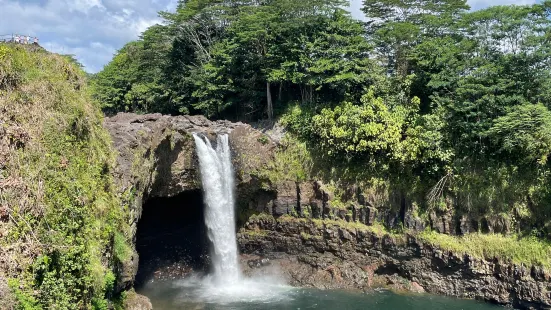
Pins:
x,y
218,187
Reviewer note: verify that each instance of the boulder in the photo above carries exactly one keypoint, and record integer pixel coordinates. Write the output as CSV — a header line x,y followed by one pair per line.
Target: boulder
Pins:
x,y
135,301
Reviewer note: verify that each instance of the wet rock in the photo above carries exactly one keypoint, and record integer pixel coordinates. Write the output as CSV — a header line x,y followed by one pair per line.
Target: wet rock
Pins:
x,y
467,225
414,223
258,263
135,301
287,200
127,271
498,224
415,287
305,195
369,215
443,224
321,192
332,256
316,207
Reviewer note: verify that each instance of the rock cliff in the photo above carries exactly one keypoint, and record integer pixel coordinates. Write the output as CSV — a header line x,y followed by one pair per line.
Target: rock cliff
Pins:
x,y
339,255
156,158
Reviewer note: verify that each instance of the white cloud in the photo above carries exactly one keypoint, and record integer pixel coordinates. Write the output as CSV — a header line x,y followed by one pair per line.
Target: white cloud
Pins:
x,y
91,56
84,5
479,4
93,30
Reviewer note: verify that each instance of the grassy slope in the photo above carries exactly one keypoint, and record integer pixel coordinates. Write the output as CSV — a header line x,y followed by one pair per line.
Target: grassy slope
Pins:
x,y
60,217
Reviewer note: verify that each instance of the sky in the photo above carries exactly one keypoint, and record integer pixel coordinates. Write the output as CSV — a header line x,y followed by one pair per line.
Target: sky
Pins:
x,y
93,30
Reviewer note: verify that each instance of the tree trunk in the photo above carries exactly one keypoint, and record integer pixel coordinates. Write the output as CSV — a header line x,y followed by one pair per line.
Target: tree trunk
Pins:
x,y
269,99
402,65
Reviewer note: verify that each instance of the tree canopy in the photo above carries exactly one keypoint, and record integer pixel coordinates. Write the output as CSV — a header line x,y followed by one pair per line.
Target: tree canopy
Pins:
x,y
423,88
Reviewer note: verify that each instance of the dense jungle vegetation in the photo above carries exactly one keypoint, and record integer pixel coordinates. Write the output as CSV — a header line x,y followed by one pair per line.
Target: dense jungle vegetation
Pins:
x,y
447,101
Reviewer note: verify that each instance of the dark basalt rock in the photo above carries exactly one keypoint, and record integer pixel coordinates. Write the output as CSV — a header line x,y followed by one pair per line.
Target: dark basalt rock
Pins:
x,y
135,301
340,257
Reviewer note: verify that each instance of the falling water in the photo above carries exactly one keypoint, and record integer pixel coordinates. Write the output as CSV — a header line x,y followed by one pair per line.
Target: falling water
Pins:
x,y
218,186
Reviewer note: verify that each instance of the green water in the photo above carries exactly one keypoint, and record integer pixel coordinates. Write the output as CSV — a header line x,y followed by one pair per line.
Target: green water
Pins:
x,y
172,295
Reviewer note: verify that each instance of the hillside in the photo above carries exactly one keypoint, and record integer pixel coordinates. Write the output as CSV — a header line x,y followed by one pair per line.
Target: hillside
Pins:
x,y
61,221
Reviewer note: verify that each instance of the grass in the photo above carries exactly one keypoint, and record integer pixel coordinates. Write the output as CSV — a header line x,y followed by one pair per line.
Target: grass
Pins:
x,y
261,216
377,228
256,233
292,162
519,250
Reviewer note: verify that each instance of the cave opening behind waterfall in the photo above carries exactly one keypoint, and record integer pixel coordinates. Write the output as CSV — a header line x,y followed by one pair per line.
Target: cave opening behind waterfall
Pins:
x,y
172,238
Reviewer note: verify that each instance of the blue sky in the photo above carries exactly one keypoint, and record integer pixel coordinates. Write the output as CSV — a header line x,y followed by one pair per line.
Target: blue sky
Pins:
x,y
93,30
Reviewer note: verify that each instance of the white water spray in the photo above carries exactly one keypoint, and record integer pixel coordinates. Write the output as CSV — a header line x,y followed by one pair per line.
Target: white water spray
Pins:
x,y
226,285
218,187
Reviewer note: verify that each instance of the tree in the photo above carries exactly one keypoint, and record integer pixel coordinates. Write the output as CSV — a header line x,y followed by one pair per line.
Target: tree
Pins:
x,y
399,25
111,85
500,60
523,135
376,129
312,47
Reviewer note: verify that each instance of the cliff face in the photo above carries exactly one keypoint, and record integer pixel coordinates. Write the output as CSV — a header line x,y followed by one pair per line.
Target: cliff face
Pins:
x,y
156,158
299,227
157,154
339,255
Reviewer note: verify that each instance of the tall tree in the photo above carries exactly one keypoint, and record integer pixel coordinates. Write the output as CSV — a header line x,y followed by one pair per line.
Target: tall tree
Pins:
x,y
398,25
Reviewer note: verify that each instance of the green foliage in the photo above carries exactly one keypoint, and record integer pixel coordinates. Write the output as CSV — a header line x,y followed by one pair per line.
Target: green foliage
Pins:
x,y
10,68
67,210
519,250
292,162
396,34
524,132
229,59
264,140
298,120
25,301
371,128
120,248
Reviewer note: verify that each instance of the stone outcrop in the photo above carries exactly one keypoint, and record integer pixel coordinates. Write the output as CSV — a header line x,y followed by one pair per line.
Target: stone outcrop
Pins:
x,y
162,148
337,255
157,153
156,158
135,301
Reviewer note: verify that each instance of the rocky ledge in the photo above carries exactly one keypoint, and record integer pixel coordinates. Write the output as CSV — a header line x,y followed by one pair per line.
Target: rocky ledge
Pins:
x,y
337,255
